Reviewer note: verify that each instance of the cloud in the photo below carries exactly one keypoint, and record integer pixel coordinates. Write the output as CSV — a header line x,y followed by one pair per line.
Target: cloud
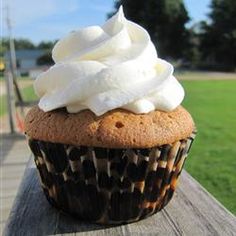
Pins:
x,y
29,11
52,19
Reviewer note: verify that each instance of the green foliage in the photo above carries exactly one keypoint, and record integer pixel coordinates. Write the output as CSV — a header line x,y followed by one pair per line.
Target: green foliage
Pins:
x,y
46,45
25,44
164,20
218,39
19,44
3,48
45,59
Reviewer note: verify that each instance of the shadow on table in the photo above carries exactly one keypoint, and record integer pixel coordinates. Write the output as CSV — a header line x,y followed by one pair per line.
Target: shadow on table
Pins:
x,y
68,224
33,214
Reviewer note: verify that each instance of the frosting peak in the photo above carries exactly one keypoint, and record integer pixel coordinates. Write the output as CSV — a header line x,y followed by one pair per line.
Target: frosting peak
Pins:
x,y
108,67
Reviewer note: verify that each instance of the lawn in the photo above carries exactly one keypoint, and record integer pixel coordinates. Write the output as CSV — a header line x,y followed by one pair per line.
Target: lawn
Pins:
x,y
27,93
212,160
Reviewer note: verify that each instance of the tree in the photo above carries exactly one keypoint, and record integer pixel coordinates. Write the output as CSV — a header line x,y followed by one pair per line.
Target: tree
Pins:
x,y
45,59
3,46
23,44
19,44
46,45
218,40
164,20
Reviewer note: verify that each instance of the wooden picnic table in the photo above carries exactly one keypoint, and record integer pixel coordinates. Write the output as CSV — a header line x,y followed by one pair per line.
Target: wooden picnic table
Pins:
x,y
192,211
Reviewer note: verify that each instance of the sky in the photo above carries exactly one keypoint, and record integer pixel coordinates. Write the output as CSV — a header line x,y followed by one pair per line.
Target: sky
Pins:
x,y
40,20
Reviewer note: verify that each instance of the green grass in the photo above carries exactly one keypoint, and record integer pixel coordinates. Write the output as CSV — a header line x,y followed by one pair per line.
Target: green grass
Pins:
x,y
27,93
212,160
3,105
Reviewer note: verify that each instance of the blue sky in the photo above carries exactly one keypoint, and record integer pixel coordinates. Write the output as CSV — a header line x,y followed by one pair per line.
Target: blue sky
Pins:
x,y
52,19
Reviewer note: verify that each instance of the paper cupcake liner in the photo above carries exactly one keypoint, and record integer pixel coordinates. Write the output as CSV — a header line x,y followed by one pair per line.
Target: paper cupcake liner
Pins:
x,y
107,185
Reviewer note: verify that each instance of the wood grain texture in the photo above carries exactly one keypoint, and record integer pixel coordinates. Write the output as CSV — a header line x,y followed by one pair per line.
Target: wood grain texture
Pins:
x,y
192,211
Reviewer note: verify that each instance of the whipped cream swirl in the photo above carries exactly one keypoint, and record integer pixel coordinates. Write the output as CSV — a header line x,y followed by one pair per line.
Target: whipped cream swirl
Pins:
x,y
108,67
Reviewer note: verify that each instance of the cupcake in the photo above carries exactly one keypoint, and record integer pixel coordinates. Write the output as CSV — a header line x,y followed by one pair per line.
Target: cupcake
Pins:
x,y
109,135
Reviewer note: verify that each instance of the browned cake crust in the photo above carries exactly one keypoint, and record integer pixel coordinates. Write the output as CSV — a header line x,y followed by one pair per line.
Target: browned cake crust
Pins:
x,y
115,129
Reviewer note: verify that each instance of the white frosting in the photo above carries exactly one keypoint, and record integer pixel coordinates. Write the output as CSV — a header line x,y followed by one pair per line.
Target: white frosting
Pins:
x,y
108,67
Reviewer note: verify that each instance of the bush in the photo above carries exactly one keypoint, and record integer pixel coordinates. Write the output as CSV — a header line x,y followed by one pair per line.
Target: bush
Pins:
x,y
45,59
215,67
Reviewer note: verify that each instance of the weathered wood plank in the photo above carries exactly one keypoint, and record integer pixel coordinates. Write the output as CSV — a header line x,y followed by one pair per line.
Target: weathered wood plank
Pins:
x,y
194,204
14,156
192,211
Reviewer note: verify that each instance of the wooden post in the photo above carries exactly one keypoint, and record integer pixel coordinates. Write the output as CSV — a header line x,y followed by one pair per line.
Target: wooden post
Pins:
x,y
10,101
13,64
11,78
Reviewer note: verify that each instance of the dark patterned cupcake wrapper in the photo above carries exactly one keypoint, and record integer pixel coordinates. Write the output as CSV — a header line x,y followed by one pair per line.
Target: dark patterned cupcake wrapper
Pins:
x,y
109,186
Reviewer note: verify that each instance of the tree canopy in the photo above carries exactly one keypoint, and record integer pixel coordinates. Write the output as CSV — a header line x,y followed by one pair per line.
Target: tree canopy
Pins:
x,y
46,45
164,20
45,59
19,44
22,43
218,37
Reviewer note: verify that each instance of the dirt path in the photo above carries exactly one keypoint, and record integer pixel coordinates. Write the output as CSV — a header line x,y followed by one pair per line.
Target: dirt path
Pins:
x,y
4,127
205,76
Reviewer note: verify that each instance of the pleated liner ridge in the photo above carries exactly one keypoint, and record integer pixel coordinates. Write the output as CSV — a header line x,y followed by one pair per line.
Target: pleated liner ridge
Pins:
x,y
109,186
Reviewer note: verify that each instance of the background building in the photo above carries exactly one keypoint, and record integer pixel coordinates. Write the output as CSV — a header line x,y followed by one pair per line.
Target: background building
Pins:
x,y
27,62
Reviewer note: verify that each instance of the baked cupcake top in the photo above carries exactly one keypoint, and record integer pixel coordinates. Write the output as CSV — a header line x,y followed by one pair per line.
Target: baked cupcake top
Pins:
x,y
115,129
